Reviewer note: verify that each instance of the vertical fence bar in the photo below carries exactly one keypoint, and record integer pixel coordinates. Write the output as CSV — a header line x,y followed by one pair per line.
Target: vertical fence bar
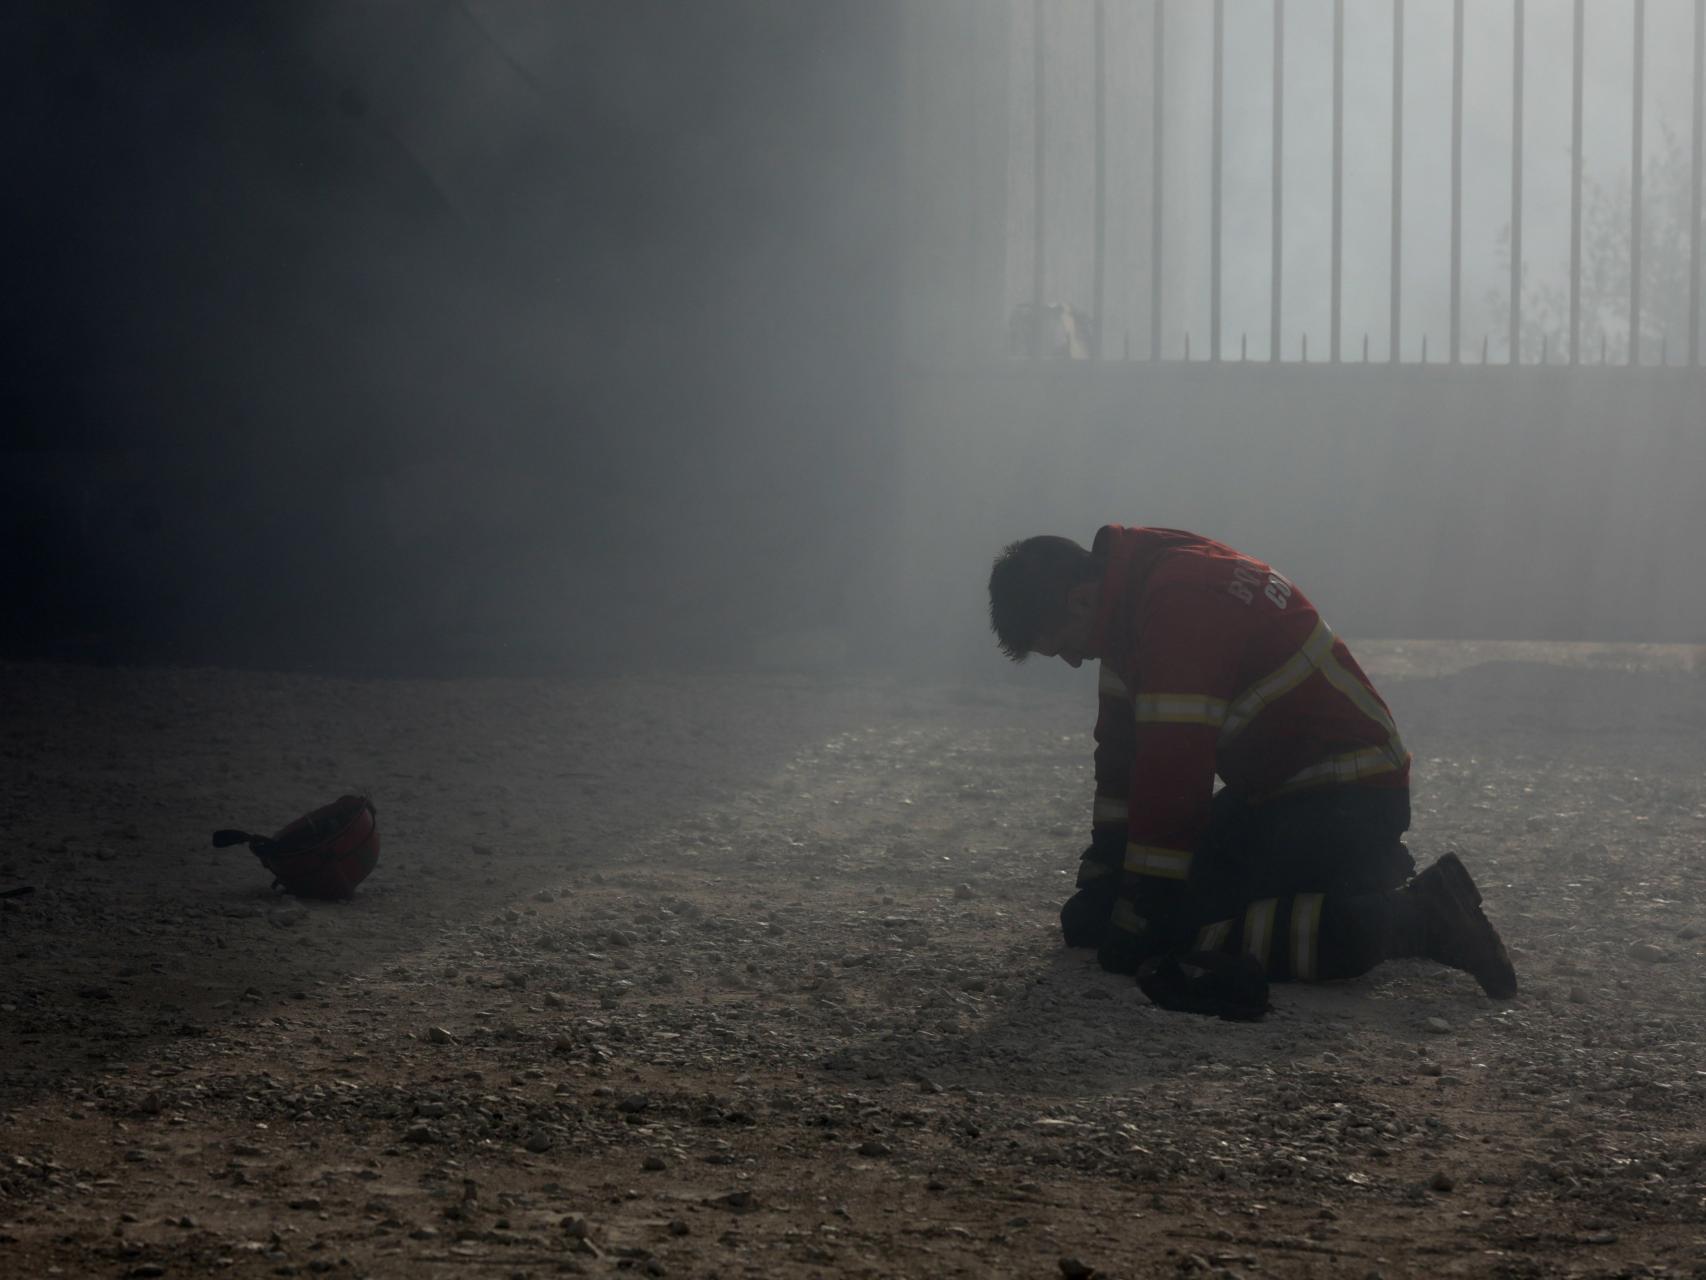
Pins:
x,y
1576,193
1395,289
1278,192
1215,180
1518,34
1338,173
1694,183
1158,169
1038,152
1518,72
1098,251
1636,143
1456,177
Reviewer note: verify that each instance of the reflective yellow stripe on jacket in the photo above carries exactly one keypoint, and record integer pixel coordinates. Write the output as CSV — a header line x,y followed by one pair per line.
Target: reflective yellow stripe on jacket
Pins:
x,y
1109,684
1347,767
1276,684
1180,708
1153,860
1212,937
1316,654
1110,809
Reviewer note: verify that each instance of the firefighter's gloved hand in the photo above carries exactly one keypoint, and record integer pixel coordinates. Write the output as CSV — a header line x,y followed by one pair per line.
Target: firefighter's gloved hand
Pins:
x,y
1084,918
1129,940
1123,952
1234,987
1103,862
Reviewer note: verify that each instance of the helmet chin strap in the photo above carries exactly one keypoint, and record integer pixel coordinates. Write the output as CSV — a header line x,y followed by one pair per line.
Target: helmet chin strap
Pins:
x,y
225,838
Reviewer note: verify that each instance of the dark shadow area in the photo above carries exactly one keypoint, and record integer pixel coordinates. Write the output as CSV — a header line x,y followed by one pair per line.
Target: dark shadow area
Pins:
x,y
442,337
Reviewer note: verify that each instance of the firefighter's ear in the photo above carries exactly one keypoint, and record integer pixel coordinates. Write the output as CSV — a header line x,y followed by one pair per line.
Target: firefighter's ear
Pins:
x,y
1082,599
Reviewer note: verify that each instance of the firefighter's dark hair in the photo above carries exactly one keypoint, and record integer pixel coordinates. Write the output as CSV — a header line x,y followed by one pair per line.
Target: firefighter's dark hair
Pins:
x,y
1028,588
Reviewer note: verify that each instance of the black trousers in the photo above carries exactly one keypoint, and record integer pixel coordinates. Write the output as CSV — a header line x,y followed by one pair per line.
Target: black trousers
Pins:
x,y
1305,884
1342,841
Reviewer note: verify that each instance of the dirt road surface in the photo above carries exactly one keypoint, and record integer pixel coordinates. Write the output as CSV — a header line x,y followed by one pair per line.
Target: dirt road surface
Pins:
x,y
760,976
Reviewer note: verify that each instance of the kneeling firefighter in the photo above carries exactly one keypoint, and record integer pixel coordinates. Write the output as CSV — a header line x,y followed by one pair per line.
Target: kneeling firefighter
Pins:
x,y
1213,664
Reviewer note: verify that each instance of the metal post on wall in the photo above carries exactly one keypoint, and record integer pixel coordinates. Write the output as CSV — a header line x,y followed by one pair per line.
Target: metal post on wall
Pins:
x,y
1635,145
1039,151
1576,193
1338,173
1456,177
1518,33
1278,193
1395,288
1694,196
1157,160
1218,115
1099,265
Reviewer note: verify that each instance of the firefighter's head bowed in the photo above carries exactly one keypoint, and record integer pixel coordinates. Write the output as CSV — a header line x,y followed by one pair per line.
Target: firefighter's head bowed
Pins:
x,y
1043,596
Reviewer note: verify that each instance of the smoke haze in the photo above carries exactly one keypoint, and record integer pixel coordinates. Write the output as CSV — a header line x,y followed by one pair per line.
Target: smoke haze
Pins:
x,y
443,333
493,335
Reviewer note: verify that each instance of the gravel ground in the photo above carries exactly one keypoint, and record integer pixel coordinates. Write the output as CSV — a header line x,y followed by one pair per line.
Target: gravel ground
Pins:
x,y
745,976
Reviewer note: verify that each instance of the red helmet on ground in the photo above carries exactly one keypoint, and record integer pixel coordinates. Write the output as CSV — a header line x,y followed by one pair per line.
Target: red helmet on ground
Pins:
x,y
323,854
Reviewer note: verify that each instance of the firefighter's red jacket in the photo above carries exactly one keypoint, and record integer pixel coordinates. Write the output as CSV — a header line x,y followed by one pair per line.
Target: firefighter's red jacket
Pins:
x,y
1214,663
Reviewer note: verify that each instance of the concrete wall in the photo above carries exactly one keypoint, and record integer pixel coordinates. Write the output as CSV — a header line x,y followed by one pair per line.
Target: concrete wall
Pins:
x,y
1417,501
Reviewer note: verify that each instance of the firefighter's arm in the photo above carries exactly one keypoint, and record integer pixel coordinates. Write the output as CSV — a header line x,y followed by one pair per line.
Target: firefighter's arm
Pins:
x,y
1189,671
1084,917
1110,816
1172,786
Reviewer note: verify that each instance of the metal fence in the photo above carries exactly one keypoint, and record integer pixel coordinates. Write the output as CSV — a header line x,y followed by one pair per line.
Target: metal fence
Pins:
x,y
1044,326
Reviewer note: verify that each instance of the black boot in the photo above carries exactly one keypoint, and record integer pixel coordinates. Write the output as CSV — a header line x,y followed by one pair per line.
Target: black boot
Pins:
x,y
1453,928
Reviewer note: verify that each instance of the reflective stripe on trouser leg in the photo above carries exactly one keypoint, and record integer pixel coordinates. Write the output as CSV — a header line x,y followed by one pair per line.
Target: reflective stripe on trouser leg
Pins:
x,y
1259,929
1305,936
